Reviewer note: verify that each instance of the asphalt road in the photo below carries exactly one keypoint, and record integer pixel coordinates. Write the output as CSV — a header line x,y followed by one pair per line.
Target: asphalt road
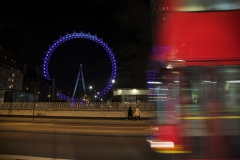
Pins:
x,y
77,147
114,127
79,139
24,138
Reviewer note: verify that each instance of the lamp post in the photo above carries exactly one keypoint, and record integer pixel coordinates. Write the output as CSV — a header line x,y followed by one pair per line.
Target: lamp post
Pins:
x,y
49,93
113,81
49,97
90,92
53,83
34,100
10,89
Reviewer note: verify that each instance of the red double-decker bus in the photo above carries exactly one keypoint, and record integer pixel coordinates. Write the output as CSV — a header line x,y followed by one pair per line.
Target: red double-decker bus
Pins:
x,y
198,45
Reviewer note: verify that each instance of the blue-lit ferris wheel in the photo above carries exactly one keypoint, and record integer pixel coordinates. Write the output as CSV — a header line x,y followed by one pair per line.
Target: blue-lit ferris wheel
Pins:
x,y
80,35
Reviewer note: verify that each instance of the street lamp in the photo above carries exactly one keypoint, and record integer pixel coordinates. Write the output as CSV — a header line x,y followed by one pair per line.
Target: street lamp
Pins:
x,y
10,89
90,92
113,81
49,97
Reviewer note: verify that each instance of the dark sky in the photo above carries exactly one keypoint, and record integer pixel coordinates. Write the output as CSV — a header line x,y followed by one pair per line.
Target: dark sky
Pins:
x,y
125,25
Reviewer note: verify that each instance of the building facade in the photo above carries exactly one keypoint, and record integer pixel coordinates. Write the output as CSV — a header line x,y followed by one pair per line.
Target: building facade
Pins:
x,y
11,76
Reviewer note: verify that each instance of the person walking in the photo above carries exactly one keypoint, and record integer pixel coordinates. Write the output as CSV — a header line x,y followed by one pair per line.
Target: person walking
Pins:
x,y
137,114
130,113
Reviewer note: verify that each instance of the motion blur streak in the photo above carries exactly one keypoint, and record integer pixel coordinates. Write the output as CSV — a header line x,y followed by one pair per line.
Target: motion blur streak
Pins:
x,y
162,144
196,61
220,117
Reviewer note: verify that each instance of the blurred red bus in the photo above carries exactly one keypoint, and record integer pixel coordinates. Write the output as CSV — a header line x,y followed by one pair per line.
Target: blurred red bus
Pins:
x,y
199,43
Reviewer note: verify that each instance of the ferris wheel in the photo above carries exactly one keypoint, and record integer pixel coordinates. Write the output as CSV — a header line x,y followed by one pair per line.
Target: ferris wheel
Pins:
x,y
87,36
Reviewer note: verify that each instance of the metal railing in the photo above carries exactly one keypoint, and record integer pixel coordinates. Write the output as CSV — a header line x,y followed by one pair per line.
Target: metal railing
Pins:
x,y
77,105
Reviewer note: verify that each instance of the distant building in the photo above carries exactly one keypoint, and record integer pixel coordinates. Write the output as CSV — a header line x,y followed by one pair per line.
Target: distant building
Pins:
x,y
131,95
17,82
11,76
11,73
35,83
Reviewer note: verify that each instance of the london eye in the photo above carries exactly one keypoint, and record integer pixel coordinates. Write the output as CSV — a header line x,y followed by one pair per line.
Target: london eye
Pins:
x,y
64,56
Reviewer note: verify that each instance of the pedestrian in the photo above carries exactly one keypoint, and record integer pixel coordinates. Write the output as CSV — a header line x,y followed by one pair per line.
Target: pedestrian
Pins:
x,y
137,114
130,113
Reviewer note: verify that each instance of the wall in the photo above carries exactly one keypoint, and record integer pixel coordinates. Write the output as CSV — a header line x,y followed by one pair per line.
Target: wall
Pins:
x,y
68,109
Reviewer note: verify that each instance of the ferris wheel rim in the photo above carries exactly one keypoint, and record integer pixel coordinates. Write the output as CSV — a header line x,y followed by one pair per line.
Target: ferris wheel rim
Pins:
x,y
80,35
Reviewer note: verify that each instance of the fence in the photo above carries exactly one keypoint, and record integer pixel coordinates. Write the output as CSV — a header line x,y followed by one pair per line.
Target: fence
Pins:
x,y
76,109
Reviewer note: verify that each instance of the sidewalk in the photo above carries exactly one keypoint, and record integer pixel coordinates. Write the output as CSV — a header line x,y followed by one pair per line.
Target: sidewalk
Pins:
x,y
70,120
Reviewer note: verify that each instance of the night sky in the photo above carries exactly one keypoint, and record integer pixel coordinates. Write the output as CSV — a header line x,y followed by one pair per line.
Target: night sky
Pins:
x,y
125,25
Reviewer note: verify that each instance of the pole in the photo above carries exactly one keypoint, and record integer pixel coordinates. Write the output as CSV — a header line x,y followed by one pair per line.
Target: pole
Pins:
x,y
113,81
48,95
90,93
53,83
34,100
